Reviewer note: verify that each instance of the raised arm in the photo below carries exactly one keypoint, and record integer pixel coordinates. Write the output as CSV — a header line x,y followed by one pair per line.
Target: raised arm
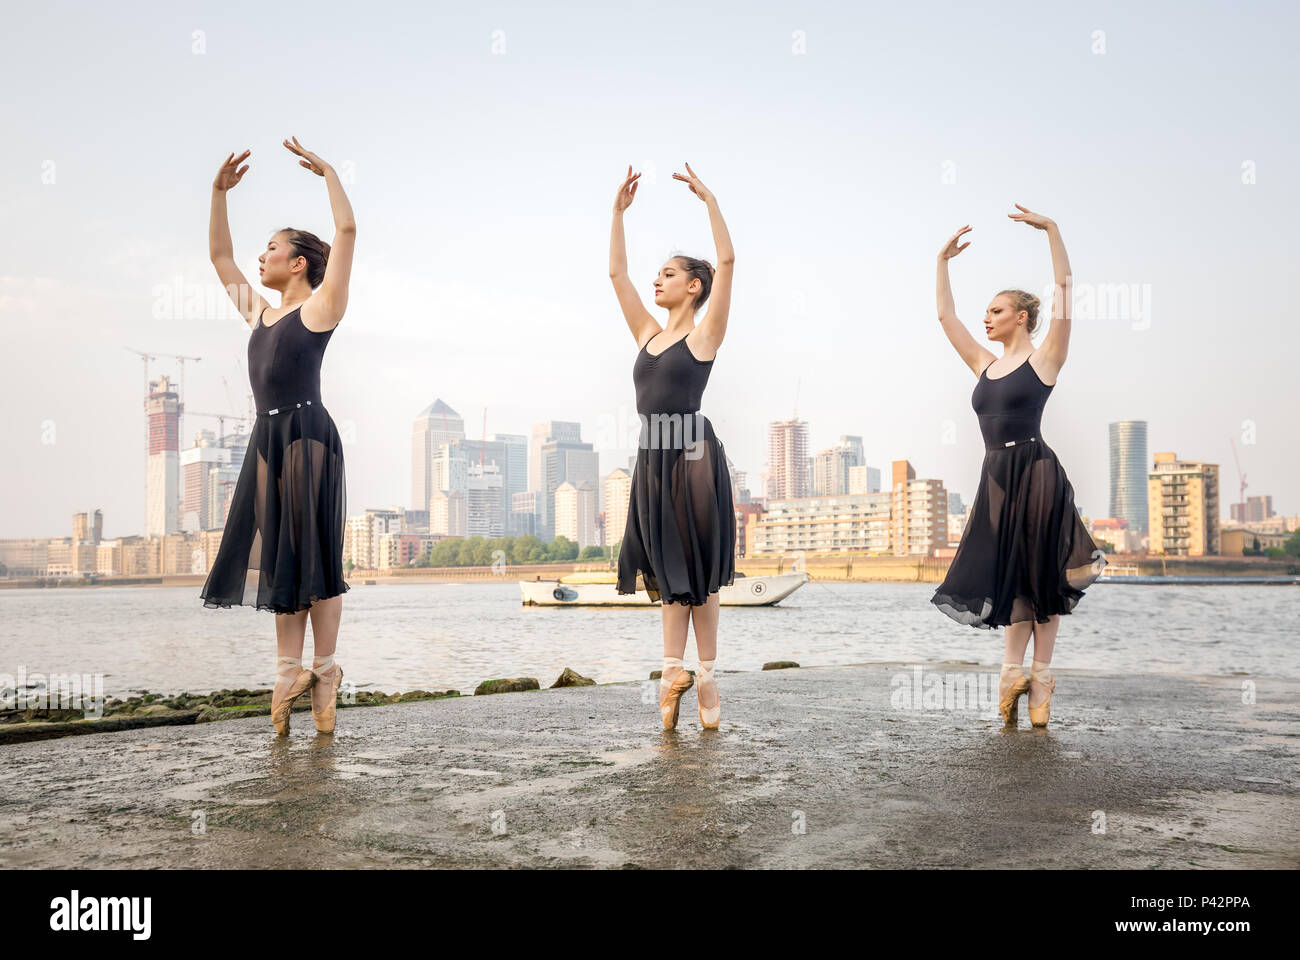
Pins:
x,y
325,308
221,250
639,320
714,325
974,356
1056,344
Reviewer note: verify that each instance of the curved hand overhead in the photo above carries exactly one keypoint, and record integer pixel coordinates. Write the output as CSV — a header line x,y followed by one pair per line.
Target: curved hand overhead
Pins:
x,y
626,191
696,184
230,172
312,162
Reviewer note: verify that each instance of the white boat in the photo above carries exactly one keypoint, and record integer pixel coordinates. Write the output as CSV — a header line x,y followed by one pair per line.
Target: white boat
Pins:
x,y
601,590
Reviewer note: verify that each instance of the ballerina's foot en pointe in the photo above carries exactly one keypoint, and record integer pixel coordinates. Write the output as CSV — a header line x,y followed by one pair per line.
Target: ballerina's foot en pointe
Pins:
x,y
1038,685
1042,683
292,681
673,682
676,680
325,691
1011,685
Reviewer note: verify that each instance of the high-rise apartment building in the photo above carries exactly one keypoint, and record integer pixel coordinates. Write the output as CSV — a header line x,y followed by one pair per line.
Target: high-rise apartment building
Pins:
x,y
920,512
618,495
575,512
1183,506
787,456
485,505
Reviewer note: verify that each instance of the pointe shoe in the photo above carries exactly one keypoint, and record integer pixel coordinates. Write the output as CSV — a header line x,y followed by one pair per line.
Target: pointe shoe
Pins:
x,y
670,697
1039,715
709,716
324,697
282,704
1009,700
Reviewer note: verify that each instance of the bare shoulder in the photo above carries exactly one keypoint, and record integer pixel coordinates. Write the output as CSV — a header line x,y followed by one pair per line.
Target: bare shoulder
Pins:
x,y
701,345
1046,368
648,333
980,362
315,317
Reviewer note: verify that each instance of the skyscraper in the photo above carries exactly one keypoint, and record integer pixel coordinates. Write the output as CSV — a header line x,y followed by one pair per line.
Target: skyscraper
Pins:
x,y
558,454
830,471
1128,473
787,455
201,477
162,476
435,425
515,472
485,509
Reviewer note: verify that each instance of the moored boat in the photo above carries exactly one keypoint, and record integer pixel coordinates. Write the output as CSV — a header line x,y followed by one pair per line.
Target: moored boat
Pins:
x,y
601,590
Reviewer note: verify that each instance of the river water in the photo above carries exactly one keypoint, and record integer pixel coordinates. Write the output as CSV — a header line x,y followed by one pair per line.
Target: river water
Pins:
x,y
442,636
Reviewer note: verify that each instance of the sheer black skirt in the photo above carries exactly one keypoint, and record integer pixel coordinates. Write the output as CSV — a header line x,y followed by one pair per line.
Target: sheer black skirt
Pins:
x,y
282,548
1025,553
681,520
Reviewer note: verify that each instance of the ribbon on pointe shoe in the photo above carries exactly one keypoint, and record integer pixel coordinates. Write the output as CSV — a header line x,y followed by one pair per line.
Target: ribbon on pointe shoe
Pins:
x,y
709,716
323,667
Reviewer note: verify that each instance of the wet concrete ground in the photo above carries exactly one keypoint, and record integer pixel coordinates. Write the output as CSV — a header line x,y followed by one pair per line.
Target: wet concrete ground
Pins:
x,y
811,768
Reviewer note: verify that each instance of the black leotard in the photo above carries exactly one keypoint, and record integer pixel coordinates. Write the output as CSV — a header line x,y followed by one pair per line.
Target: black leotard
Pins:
x,y
669,382
1010,408
284,362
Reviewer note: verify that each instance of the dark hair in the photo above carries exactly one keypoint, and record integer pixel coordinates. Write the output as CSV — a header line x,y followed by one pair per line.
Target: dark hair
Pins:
x,y
316,250
700,270
1020,300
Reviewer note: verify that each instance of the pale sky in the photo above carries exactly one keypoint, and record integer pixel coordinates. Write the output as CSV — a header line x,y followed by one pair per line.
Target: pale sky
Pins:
x,y
485,144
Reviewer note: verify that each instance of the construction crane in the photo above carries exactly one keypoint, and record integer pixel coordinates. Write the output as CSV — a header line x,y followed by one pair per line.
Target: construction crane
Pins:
x,y
230,399
178,357
180,405
221,419
1242,477
146,357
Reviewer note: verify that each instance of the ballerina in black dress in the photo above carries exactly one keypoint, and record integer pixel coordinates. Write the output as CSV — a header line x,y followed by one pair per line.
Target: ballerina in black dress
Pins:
x,y
681,524
1025,556
282,549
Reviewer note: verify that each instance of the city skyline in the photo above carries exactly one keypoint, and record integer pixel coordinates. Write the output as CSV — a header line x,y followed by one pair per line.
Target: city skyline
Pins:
x,y
506,462
840,161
